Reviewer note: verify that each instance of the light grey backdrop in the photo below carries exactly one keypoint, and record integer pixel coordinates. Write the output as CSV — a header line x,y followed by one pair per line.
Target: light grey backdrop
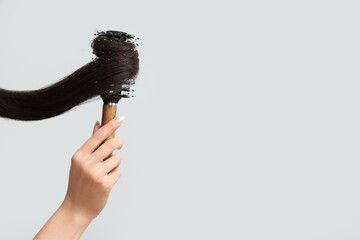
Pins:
x,y
244,124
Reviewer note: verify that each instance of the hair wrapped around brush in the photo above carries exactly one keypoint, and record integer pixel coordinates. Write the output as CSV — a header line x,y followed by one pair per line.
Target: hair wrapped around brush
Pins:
x,y
109,76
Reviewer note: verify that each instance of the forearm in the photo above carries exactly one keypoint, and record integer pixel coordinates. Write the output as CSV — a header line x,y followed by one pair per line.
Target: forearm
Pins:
x,y
64,224
92,176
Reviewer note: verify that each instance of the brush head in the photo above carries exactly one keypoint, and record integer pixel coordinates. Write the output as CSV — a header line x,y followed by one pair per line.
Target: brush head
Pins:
x,y
117,50
118,36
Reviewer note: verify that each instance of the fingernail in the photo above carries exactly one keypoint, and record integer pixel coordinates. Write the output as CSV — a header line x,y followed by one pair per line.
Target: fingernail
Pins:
x,y
120,119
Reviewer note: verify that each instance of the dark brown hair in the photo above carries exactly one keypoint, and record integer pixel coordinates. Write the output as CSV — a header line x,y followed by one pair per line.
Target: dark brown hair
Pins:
x,y
109,75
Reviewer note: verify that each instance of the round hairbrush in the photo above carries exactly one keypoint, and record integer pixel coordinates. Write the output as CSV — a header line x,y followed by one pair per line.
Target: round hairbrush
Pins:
x,y
110,45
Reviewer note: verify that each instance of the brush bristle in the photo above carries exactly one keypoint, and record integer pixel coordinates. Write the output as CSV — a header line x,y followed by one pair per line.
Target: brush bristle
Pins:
x,y
121,43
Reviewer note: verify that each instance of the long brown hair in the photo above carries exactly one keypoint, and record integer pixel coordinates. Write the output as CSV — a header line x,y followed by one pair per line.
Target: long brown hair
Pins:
x,y
109,75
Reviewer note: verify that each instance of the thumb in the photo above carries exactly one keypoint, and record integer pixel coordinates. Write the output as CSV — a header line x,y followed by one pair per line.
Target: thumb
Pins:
x,y
96,127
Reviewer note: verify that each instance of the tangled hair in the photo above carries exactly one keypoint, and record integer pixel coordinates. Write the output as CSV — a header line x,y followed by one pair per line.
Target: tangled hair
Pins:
x,y
109,75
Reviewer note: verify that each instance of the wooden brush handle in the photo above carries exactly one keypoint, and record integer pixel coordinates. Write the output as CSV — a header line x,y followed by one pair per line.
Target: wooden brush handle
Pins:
x,y
108,113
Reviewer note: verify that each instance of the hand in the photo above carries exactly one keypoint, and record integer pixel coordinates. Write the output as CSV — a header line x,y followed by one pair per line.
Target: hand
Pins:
x,y
92,173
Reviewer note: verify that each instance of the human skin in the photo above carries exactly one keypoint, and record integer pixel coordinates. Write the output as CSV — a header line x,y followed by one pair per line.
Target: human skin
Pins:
x,y
92,176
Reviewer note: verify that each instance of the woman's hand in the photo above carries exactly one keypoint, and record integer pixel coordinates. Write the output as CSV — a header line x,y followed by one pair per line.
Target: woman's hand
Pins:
x,y
92,173
92,176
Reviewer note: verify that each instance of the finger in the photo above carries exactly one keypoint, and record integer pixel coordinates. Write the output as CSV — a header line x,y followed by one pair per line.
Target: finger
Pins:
x,y
107,148
101,134
96,127
109,164
113,176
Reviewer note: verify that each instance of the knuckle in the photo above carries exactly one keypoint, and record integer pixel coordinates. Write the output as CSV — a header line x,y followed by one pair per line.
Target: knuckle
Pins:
x,y
96,174
115,143
116,173
96,179
76,157
117,159
119,143
113,125
114,161
112,143
100,135
105,186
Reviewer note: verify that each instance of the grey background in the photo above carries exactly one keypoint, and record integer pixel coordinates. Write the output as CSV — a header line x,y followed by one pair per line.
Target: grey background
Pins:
x,y
244,124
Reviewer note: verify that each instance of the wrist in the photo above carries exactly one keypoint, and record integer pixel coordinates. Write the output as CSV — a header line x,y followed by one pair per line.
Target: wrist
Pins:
x,y
75,215
65,223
